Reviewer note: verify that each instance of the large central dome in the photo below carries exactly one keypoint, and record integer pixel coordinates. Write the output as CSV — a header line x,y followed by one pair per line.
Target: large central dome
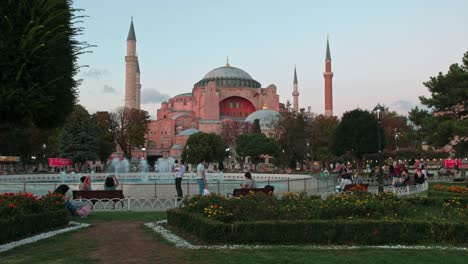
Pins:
x,y
228,76
228,72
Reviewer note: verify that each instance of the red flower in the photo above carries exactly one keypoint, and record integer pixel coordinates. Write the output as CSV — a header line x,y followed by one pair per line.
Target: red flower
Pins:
x,y
11,205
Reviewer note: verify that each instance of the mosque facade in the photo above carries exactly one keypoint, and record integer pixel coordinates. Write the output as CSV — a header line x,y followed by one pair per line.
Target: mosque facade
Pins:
x,y
224,93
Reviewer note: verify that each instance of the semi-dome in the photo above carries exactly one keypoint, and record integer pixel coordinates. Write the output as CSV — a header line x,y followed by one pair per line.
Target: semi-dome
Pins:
x,y
177,147
266,117
189,132
228,76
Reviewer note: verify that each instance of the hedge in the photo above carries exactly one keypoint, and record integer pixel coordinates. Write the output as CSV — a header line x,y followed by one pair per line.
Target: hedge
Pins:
x,y
20,226
342,232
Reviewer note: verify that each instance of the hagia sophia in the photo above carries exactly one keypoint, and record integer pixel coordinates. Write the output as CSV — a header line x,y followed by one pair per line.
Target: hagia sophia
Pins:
x,y
224,93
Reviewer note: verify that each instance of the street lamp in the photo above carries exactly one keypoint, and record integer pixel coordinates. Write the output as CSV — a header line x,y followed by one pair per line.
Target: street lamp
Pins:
x,y
378,132
397,135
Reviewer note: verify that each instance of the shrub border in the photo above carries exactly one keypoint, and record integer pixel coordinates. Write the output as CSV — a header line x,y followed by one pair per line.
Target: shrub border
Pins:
x,y
11,245
19,226
335,232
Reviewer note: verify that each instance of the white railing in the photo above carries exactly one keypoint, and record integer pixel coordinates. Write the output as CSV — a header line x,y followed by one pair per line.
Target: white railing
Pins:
x,y
399,191
131,204
409,190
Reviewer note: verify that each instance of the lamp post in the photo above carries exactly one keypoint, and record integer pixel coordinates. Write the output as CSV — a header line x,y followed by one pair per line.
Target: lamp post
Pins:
x,y
396,135
378,132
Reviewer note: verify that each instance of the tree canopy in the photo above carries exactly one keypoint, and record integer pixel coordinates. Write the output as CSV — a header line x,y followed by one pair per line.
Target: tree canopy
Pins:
x,y
254,145
203,146
78,140
447,123
358,133
129,127
38,54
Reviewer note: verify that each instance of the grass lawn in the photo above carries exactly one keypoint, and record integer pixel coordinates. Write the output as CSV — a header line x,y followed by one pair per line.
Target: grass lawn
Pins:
x,y
64,249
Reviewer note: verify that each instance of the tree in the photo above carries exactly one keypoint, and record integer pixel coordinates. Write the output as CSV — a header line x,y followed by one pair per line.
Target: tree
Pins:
x,y
202,146
254,145
256,126
447,124
321,130
106,144
395,126
357,134
129,127
78,138
38,62
292,133
231,129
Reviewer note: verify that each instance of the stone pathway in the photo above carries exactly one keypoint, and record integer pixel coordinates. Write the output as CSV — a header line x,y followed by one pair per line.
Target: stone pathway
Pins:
x,y
127,242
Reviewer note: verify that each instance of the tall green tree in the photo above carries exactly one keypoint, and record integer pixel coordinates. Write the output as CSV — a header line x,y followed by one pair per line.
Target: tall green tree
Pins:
x,y
38,54
447,123
78,139
256,126
321,129
292,134
106,143
129,127
254,145
358,133
203,146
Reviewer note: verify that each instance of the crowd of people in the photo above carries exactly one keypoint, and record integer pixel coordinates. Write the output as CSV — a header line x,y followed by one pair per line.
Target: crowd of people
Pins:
x,y
396,174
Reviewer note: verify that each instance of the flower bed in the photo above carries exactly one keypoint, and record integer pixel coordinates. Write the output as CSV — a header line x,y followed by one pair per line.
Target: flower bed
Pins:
x,y
339,219
23,214
448,190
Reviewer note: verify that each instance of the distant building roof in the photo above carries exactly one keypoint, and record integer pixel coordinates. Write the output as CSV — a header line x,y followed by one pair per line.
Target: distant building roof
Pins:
x,y
189,132
266,117
177,146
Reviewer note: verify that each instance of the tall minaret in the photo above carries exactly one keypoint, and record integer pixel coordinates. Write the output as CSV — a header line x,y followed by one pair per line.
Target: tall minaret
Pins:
x,y
295,92
130,71
138,86
328,75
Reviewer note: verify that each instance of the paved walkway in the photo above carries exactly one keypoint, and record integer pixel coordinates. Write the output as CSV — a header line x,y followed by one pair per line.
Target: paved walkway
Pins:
x,y
128,242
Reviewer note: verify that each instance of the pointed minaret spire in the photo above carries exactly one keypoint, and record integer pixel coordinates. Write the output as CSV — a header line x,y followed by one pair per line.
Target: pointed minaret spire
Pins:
x,y
295,74
295,92
227,62
328,75
328,57
131,32
131,68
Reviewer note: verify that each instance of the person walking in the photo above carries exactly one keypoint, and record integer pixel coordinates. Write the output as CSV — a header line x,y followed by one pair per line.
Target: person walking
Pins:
x,y
178,180
201,177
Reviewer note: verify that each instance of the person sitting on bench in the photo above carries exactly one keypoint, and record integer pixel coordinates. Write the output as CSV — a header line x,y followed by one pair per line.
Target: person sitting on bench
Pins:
x,y
85,184
345,180
248,183
111,183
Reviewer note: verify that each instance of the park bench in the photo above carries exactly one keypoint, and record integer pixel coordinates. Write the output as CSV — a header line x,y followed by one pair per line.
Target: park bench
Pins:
x,y
98,194
243,192
349,187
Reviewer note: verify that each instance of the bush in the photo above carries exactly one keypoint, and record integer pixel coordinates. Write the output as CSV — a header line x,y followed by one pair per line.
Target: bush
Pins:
x,y
341,232
23,214
19,226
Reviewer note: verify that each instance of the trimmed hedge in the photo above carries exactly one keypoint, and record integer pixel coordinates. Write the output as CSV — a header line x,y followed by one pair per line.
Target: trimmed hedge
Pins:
x,y
342,232
20,226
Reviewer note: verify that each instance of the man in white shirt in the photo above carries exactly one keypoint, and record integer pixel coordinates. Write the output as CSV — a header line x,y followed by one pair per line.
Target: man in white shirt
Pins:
x,y
178,180
201,177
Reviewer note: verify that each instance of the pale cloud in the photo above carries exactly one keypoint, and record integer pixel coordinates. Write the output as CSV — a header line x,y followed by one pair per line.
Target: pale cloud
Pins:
x,y
402,106
152,96
95,73
108,89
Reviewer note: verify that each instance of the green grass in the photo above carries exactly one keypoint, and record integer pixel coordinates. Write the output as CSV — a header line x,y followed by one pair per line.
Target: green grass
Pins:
x,y
62,249
123,216
297,255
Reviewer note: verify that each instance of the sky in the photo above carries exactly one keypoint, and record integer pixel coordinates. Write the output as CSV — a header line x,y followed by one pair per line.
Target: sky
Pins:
x,y
382,51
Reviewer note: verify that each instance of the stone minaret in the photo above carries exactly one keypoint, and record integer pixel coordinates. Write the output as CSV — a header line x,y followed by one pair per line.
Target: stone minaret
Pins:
x,y
328,75
295,92
138,86
131,61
